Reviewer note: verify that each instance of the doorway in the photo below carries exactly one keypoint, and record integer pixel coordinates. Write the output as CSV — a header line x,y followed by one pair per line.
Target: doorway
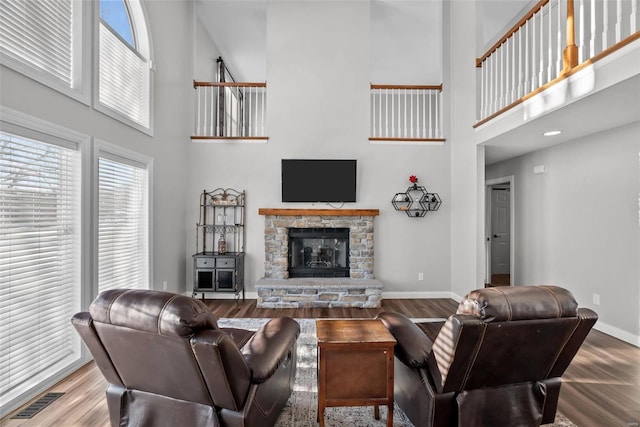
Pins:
x,y
499,232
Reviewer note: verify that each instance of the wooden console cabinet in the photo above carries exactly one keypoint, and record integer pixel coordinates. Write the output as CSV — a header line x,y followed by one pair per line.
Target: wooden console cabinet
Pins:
x,y
355,365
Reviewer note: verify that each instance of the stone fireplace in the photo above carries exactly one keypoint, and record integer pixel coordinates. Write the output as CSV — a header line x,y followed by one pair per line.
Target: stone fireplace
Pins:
x,y
351,282
276,237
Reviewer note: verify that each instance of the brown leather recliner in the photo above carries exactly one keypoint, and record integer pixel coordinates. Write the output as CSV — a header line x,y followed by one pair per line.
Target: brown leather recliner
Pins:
x,y
169,364
496,362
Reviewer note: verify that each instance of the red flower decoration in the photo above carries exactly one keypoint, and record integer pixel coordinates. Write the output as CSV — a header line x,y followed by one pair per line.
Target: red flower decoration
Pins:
x,y
413,179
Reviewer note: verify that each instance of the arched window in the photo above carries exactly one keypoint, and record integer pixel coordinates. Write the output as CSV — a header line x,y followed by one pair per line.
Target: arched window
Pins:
x,y
124,63
114,13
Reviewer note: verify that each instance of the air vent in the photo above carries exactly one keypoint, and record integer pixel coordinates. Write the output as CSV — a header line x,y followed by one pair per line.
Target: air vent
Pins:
x,y
37,406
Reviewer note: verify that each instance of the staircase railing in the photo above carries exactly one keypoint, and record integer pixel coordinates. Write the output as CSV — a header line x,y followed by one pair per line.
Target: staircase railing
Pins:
x,y
229,110
406,113
553,40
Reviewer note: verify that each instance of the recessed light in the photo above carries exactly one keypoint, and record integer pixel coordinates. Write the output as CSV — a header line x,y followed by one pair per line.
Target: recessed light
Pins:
x,y
552,133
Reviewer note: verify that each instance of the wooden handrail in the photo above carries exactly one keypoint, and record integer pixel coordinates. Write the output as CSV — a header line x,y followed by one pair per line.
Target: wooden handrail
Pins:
x,y
414,87
512,31
228,84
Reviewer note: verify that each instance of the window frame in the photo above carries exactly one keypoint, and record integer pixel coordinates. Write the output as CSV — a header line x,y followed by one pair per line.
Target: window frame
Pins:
x,y
31,127
80,89
102,148
143,49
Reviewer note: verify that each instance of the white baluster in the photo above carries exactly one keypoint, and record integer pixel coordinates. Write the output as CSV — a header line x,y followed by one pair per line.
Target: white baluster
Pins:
x,y
438,115
520,75
592,40
541,70
197,129
423,114
581,42
264,111
550,75
634,17
605,20
618,21
405,132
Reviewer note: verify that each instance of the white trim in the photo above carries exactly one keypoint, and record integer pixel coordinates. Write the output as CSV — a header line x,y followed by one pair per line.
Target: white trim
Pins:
x,y
421,295
144,47
406,142
510,179
12,121
223,295
618,333
229,141
109,150
81,48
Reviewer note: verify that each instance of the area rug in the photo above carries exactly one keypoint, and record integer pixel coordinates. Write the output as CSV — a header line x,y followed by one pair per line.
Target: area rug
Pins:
x,y
301,408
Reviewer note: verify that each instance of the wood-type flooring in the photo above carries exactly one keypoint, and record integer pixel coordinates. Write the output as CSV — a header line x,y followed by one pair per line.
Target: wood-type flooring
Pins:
x,y
601,388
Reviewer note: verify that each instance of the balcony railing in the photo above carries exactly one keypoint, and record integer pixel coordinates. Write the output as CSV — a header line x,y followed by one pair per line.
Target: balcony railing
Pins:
x,y
406,113
226,111
553,40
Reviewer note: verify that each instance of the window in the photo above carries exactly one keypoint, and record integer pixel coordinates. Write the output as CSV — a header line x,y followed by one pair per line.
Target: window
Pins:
x,y
124,65
123,221
40,258
44,40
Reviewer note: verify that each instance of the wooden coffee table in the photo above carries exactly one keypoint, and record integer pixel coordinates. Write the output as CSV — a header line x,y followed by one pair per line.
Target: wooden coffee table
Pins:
x,y
355,365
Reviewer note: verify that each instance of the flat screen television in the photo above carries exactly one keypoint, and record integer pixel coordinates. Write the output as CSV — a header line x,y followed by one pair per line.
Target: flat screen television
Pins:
x,y
316,180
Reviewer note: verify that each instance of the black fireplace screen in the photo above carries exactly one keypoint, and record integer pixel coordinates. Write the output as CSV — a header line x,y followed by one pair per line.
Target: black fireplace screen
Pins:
x,y
318,252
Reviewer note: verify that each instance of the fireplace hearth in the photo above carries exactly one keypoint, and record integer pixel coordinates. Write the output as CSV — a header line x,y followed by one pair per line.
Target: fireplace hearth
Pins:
x,y
318,252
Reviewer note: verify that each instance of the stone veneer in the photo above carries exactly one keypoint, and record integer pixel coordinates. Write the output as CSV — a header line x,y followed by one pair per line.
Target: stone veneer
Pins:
x,y
304,292
276,241
277,290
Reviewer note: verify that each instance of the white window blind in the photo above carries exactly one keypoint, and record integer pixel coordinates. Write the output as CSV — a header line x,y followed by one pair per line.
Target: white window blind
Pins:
x,y
123,79
38,33
123,254
39,261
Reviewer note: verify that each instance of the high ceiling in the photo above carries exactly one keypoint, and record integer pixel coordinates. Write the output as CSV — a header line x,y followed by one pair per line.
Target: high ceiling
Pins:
x,y
406,48
406,36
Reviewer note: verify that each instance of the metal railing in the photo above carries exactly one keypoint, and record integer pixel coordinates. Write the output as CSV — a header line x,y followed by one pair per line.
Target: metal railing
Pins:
x,y
228,110
555,38
406,113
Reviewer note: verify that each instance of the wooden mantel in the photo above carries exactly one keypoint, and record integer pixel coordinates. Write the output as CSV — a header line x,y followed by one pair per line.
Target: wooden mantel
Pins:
x,y
319,212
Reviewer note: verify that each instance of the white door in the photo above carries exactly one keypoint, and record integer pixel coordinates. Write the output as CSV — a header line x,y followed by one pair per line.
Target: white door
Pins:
x,y
500,230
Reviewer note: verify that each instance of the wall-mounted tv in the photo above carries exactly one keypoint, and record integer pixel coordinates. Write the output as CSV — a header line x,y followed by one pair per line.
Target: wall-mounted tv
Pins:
x,y
316,180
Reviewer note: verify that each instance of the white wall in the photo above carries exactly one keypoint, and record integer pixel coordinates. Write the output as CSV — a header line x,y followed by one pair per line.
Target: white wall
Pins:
x,y
170,25
466,159
577,225
318,107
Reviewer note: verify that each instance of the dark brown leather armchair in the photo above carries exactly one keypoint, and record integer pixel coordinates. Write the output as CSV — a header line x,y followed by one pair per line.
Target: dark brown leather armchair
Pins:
x,y
169,364
497,362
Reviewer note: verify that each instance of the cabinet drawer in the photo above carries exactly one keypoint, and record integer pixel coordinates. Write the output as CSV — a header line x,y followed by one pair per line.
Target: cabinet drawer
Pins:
x,y
205,262
225,262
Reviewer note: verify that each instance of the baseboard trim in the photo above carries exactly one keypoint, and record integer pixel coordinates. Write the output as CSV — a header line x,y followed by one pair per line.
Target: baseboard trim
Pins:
x,y
413,295
223,295
618,333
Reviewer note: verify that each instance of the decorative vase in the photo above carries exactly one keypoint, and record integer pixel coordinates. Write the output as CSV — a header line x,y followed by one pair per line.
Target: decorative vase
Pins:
x,y
222,246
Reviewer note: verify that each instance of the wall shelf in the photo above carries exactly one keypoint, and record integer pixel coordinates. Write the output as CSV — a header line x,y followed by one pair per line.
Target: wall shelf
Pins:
x,y
416,201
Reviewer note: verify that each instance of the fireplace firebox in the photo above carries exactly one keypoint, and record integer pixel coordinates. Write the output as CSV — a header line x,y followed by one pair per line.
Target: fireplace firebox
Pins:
x,y
318,252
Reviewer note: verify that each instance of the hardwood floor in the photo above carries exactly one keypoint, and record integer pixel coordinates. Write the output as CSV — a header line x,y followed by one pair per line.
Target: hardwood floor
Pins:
x,y
601,388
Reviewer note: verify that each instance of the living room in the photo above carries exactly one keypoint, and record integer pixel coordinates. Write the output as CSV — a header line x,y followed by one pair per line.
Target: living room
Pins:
x,y
319,74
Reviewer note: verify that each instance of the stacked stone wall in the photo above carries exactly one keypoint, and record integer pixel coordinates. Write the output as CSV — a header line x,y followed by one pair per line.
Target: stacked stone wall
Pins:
x,y
276,241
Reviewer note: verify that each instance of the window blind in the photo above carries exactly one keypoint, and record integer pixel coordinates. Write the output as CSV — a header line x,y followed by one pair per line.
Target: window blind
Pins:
x,y
123,255
38,33
123,79
39,261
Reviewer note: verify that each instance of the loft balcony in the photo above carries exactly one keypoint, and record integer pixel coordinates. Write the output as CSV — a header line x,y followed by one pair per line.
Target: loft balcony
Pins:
x,y
564,56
